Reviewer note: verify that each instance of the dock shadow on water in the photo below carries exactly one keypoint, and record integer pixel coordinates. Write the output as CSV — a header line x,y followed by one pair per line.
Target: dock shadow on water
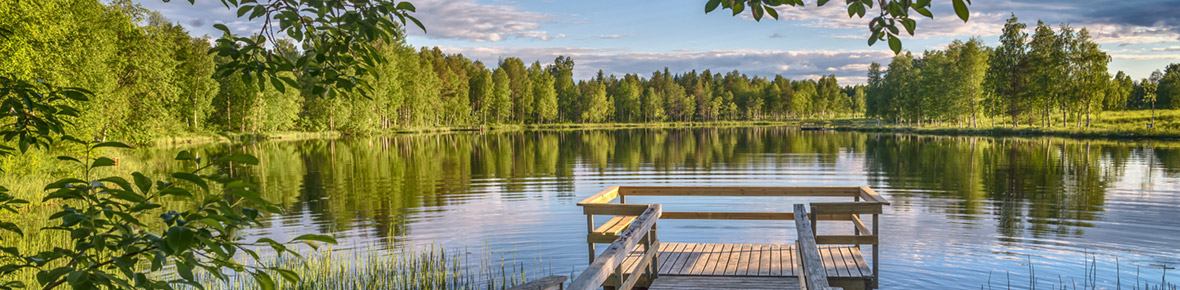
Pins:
x,y
963,207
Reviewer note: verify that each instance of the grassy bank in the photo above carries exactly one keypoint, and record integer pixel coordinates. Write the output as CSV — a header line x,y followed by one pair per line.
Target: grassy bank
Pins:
x,y
1107,125
406,268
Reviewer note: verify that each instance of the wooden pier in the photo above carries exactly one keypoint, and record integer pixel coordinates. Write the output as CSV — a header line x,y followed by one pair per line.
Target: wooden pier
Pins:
x,y
637,258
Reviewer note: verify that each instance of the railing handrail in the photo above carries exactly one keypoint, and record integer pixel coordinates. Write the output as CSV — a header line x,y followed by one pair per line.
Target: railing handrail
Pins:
x,y
614,255
811,269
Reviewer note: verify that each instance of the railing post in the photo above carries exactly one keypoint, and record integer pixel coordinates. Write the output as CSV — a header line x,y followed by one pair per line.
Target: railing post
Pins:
x,y
590,230
876,252
653,239
814,216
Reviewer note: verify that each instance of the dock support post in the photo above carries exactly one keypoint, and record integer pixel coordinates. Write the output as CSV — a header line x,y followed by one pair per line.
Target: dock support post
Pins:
x,y
590,230
876,252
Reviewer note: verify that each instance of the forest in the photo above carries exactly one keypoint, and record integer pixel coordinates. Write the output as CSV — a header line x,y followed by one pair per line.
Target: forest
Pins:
x,y
1026,80
151,79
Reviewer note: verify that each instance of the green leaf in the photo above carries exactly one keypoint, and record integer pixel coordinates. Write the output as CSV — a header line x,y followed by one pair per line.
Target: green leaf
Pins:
x,y
185,270
821,2
961,10
221,27
185,155
67,158
72,219
894,44
909,25
112,144
288,275
192,178
278,85
239,158
314,237
772,12
143,182
179,239
712,5
265,282
242,10
12,228
924,12
102,161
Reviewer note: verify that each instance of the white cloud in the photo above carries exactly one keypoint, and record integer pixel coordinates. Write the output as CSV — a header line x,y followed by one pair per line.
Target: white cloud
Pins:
x,y
614,36
1175,57
1171,48
467,20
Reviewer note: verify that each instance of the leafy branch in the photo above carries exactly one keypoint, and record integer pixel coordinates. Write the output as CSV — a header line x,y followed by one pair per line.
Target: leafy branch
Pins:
x,y
883,26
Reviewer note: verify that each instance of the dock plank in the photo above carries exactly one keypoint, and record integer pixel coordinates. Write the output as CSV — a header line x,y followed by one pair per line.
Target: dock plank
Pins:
x,y
707,259
722,282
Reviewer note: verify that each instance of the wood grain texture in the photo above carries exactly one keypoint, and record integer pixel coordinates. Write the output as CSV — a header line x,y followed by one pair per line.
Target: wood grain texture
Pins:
x,y
714,282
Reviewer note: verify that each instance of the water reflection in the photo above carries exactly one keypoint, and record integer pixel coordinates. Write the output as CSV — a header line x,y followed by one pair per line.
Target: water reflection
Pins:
x,y
982,202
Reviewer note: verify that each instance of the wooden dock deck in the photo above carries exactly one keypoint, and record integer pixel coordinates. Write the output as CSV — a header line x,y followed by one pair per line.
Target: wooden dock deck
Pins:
x,y
636,258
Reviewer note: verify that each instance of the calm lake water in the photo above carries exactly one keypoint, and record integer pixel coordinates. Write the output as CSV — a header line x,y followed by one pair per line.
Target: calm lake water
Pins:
x,y
964,208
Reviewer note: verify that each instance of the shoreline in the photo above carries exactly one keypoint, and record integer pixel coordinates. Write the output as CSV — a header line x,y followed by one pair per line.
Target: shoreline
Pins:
x,y
844,125
205,138
1076,133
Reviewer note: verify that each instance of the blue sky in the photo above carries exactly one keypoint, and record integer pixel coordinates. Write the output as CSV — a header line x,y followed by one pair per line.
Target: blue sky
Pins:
x,y
643,36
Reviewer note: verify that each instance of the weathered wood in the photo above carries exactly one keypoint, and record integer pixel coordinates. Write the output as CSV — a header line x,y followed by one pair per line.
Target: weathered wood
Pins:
x,y
603,196
740,190
869,194
598,271
715,282
547,283
786,216
846,207
846,240
613,209
615,224
727,215
812,274
637,272
860,225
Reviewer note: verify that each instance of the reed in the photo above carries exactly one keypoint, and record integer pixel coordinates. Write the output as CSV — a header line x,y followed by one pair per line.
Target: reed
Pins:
x,y
431,267
1090,278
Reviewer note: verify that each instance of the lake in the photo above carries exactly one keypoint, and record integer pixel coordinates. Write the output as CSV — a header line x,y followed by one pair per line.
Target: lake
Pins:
x,y
964,208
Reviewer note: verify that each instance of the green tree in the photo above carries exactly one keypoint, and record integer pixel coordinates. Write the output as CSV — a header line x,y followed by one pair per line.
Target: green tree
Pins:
x,y
521,86
501,107
598,106
1006,80
482,92
1047,70
653,105
1119,91
1093,80
543,93
562,71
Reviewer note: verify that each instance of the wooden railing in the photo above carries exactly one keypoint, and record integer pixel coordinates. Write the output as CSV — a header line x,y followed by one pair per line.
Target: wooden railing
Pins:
x,y
865,201
811,269
642,231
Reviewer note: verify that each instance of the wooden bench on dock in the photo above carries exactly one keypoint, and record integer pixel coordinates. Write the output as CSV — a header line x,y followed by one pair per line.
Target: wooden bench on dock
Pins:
x,y
637,258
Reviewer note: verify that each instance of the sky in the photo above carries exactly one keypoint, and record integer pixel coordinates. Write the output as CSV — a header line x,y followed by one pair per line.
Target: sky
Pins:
x,y
620,37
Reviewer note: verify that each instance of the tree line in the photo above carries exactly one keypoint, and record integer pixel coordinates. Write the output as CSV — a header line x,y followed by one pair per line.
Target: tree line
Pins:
x,y
1040,79
150,78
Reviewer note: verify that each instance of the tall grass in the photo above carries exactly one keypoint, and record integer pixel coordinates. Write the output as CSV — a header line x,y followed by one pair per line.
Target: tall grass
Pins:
x,y
1089,279
410,268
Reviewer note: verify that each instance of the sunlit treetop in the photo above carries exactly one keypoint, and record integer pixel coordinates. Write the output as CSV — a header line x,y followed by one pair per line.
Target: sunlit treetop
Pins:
x,y
883,26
